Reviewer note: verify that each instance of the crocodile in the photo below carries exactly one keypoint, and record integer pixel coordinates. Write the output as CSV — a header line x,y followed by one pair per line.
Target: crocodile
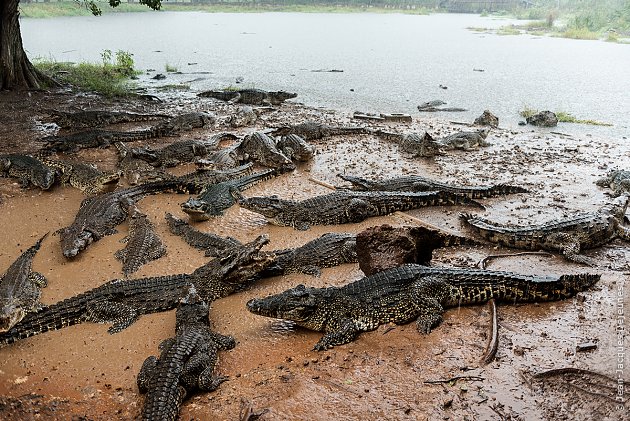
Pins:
x,y
20,288
122,301
212,244
143,244
244,116
84,177
224,159
196,181
249,96
311,130
136,170
98,118
416,183
419,145
405,293
331,249
568,235
295,148
617,180
176,153
260,148
27,169
186,361
98,216
344,206
216,198
468,141
184,122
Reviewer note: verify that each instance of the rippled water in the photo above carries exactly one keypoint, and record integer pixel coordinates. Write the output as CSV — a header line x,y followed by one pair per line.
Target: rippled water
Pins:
x,y
390,63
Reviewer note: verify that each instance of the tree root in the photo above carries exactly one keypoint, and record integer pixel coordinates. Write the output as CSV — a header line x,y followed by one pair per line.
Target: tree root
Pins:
x,y
493,341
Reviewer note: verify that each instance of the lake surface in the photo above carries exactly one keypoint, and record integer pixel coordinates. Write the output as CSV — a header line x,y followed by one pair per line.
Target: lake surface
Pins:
x,y
390,62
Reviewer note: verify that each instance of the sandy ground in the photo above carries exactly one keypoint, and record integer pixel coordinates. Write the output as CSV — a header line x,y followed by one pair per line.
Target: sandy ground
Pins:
x,y
83,373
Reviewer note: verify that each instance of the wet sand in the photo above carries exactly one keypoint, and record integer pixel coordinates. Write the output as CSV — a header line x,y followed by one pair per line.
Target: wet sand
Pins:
x,y
83,371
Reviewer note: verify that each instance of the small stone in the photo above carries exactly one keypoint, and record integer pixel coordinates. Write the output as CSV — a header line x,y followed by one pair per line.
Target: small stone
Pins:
x,y
586,346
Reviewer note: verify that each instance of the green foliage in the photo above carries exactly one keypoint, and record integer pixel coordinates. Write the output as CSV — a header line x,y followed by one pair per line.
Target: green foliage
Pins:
x,y
563,117
170,68
92,7
111,78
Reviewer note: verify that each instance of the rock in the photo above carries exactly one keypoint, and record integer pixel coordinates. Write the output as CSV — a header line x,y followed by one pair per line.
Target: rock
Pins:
x,y
522,123
159,76
543,119
487,119
384,247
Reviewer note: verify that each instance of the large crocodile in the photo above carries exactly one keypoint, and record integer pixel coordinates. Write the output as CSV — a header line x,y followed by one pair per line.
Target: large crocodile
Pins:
x,y
295,148
84,177
212,244
186,362
98,118
176,153
331,249
197,180
416,183
311,130
568,235
216,198
466,140
344,206
20,288
27,169
249,96
98,216
121,302
617,180
260,148
143,244
406,293
136,170
419,145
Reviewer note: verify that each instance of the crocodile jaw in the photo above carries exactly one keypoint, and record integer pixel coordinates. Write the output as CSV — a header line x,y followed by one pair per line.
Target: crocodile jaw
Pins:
x,y
72,245
10,315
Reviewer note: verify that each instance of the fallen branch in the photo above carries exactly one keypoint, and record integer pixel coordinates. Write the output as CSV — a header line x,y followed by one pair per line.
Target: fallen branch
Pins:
x,y
493,342
571,370
455,379
322,183
482,262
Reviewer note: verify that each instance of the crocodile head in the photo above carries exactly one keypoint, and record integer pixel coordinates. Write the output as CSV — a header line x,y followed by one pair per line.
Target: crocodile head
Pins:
x,y
104,183
44,179
11,312
196,209
297,304
74,239
279,96
268,206
620,206
192,309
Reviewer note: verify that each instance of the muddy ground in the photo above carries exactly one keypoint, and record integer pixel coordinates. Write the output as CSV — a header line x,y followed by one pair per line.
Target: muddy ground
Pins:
x,y
82,372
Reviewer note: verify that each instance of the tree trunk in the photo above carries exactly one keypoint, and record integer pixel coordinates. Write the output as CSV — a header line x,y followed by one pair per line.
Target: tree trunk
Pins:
x,y
16,71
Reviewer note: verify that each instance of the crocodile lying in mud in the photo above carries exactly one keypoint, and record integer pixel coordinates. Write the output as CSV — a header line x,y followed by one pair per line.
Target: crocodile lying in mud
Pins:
x,y
98,216
419,145
186,361
121,302
467,141
98,118
84,177
212,244
143,244
27,169
98,138
406,293
311,130
331,249
181,152
216,198
344,206
20,288
249,96
295,148
617,180
568,235
260,148
416,183
136,170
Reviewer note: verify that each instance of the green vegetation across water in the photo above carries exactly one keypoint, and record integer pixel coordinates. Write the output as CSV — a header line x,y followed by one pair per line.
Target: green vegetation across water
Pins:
x,y
563,117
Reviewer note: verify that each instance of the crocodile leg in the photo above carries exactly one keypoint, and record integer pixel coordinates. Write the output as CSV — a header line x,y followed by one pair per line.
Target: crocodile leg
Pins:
x,y
146,373
426,295
224,342
623,232
569,246
120,315
346,333
38,279
359,210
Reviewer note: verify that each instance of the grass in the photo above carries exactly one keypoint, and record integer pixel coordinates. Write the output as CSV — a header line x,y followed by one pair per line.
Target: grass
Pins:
x,y
563,117
578,33
174,87
170,68
508,30
109,78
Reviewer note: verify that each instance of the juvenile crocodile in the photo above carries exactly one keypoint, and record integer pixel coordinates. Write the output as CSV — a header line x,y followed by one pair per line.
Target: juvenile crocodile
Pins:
x,y
295,148
249,96
186,361
98,118
467,141
176,153
416,183
136,170
405,293
212,244
311,130
20,288
344,206
260,148
617,180
84,177
98,216
27,169
216,198
419,145
121,302
568,235
331,249
143,244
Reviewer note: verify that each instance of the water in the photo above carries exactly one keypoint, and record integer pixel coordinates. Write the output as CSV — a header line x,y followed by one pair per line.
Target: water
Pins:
x,y
390,62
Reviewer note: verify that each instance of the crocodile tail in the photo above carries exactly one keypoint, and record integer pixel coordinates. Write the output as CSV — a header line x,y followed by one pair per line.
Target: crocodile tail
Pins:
x,y
503,189
459,199
575,283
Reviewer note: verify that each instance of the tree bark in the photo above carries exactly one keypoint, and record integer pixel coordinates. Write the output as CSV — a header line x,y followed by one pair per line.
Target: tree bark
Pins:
x,y
16,71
